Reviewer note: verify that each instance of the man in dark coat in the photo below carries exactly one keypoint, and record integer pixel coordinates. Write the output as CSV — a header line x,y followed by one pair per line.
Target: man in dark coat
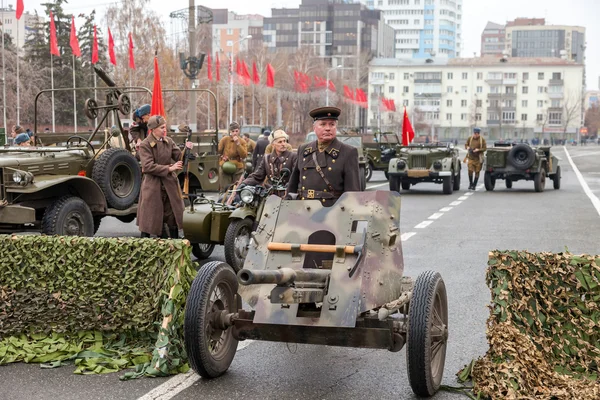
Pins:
x,y
259,149
160,199
326,167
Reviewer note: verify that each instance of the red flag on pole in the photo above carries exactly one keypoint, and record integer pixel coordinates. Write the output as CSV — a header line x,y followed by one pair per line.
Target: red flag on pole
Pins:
x,y
131,60
209,67
255,76
20,8
348,93
408,133
270,76
95,47
331,86
157,106
218,68
73,41
392,105
53,42
111,49
245,74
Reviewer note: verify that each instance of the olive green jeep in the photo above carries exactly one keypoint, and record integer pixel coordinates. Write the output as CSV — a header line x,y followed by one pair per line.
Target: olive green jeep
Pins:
x,y
514,162
431,162
379,150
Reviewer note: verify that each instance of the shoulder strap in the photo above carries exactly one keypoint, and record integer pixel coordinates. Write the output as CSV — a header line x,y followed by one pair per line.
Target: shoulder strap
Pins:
x,y
314,156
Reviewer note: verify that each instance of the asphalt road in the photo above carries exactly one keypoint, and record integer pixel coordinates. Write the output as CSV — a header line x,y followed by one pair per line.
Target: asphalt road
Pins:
x,y
451,234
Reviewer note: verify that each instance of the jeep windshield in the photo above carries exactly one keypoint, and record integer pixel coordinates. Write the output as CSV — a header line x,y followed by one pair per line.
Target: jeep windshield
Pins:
x,y
354,141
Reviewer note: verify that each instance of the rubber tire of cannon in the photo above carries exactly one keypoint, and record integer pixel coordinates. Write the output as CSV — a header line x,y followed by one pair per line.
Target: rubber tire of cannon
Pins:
x,y
232,233
90,108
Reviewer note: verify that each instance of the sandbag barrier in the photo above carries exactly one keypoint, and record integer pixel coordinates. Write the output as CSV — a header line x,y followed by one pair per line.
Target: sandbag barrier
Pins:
x,y
103,304
543,329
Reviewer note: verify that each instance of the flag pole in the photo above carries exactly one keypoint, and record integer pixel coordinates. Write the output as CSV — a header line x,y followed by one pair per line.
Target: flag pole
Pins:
x,y
18,80
253,87
3,76
267,117
74,97
95,97
52,87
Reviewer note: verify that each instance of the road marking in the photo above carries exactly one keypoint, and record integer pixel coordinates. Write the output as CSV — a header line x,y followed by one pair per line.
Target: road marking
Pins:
x,y
423,224
179,383
381,184
407,235
462,198
456,203
446,209
595,153
469,194
583,183
435,216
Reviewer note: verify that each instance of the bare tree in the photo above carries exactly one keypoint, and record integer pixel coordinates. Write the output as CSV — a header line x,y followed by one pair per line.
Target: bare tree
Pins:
x,y
592,120
571,110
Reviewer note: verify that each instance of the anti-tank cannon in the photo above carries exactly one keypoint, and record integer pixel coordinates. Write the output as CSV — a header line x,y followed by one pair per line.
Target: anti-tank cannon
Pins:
x,y
322,275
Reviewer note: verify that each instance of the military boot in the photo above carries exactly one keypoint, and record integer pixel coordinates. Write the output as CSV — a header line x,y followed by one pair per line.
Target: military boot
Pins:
x,y
470,182
174,233
145,235
475,182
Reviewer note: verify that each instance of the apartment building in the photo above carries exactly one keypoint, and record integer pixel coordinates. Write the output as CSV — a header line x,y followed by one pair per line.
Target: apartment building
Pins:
x,y
507,97
18,29
493,39
229,29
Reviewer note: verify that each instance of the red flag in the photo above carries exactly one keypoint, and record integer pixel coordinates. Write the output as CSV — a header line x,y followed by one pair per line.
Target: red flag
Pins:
x,y
245,74
331,86
53,42
218,68
348,93
270,76
111,49
73,41
158,106
20,8
131,60
255,76
392,105
95,47
209,67
385,104
361,98
408,133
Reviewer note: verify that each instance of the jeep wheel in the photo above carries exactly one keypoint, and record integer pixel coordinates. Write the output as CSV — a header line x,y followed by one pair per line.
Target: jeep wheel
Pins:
x,y
405,185
489,182
556,179
202,250
126,219
508,183
456,185
237,241
387,176
447,184
395,184
521,156
427,335
68,216
539,181
369,171
118,174
362,178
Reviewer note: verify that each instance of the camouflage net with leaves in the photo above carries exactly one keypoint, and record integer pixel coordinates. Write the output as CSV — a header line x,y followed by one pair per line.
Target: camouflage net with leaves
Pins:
x,y
543,329
103,304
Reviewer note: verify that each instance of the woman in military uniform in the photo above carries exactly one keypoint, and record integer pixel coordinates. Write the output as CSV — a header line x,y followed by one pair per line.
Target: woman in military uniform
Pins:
x,y
233,151
326,168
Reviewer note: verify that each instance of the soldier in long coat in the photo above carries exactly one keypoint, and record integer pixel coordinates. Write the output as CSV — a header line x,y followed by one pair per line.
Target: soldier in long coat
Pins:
x,y
273,163
326,167
160,199
232,148
476,147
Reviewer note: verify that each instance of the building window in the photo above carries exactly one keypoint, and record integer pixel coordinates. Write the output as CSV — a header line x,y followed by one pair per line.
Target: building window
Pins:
x,y
478,103
405,103
463,103
542,89
509,103
510,75
450,75
540,117
448,103
229,31
555,118
479,89
508,116
525,89
229,43
465,75
523,117
555,103
391,89
524,103
448,117
480,75
406,76
464,89
556,75
392,76
405,89
540,76
463,117
450,89
525,76
478,117
377,75
540,103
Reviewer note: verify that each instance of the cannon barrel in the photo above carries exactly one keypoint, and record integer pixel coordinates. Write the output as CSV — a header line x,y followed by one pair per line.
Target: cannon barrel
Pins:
x,y
105,78
282,276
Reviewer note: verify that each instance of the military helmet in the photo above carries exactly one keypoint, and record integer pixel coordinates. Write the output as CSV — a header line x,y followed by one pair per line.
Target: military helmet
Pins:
x,y
229,168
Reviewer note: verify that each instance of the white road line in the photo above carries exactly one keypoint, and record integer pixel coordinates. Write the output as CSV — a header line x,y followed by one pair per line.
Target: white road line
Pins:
x,y
469,194
435,216
381,184
462,198
407,235
424,224
456,203
480,187
583,183
179,383
446,209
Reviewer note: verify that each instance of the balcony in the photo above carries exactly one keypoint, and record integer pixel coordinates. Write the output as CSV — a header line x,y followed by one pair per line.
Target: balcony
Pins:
x,y
509,96
509,122
556,95
428,80
510,81
509,109
556,82
427,95
494,95
493,122
377,81
493,82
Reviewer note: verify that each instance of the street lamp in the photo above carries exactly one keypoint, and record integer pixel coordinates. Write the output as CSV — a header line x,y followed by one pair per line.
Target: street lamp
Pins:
x,y
327,81
231,76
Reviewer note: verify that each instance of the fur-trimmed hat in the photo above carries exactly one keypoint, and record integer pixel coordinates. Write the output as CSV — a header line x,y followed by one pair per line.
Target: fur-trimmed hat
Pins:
x,y
278,134
21,138
18,129
183,128
155,121
142,110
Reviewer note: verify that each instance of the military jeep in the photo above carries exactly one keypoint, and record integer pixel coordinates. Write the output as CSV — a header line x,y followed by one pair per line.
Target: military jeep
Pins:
x,y
379,150
514,162
431,162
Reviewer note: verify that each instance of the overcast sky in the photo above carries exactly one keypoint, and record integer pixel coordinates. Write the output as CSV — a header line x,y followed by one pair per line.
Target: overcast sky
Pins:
x,y
476,14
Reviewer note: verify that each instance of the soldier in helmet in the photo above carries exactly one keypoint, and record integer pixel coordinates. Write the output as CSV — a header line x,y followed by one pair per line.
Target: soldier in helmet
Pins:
x,y
475,146
233,151
326,168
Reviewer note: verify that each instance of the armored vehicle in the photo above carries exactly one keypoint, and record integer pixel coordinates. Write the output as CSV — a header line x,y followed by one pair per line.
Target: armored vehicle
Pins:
x,y
379,150
324,276
514,162
431,162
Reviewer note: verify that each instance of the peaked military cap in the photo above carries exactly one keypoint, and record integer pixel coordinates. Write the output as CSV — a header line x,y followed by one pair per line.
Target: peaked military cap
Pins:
x,y
325,113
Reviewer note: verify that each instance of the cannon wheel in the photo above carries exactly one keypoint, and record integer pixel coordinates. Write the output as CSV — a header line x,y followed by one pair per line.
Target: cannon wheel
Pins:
x,y
237,240
124,104
210,349
91,108
427,334
202,250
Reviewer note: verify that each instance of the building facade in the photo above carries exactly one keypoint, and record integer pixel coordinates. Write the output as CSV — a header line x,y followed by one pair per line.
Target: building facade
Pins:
x,y
18,29
506,97
229,29
423,27
493,39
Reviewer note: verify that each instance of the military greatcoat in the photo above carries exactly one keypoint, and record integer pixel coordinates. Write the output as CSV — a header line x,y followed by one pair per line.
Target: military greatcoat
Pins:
x,y
156,156
270,167
339,165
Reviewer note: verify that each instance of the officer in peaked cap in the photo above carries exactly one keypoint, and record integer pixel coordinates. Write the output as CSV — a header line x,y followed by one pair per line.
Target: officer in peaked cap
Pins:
x,y
326,167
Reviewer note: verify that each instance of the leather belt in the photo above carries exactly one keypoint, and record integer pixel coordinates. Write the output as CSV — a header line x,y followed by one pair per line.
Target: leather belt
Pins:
x,y
317,194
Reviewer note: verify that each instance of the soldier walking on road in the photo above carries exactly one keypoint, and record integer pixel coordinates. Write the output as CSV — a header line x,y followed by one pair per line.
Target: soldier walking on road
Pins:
x,y
475,146
160,199
326,167
233,151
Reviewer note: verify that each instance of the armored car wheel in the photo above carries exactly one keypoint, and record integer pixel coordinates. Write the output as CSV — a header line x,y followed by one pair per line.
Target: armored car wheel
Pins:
x,y
556,179
237,240
386,174
202,250
489,182
539,180
210,346
68,216
427,334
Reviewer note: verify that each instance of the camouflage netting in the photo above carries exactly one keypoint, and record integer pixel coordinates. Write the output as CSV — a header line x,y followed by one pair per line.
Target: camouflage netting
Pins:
x,y
103,304
543,329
